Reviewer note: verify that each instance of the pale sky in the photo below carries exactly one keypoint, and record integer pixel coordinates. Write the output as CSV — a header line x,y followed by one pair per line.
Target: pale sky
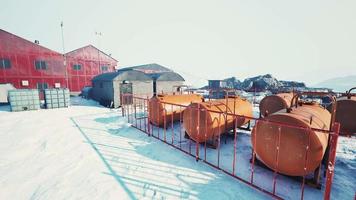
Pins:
x,y
304,40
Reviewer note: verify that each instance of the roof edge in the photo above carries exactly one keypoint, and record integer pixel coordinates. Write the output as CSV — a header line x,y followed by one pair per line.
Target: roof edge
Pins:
x,y
30,41
90,45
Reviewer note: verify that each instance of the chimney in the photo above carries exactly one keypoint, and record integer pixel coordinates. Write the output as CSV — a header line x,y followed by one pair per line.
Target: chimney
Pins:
x,y
37,42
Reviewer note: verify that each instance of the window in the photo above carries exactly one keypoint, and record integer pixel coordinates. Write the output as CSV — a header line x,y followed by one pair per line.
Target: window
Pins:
x,y
24,83
5,63
104,68
77,67
42,86
101,85
41,65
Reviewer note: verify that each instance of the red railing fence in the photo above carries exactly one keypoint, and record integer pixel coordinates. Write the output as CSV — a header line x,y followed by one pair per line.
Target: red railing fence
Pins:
x,y
233,163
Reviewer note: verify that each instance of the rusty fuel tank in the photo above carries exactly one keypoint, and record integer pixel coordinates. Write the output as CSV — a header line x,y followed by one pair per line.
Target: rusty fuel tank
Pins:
x,y
211,123
159,111
346,113
293,142
274,103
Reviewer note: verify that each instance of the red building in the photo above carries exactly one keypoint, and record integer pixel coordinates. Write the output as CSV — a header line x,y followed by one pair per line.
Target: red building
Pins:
x,y
26,64
85,63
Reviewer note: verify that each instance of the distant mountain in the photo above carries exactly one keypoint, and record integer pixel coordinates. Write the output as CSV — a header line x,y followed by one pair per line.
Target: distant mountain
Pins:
x,y
340,84
262,83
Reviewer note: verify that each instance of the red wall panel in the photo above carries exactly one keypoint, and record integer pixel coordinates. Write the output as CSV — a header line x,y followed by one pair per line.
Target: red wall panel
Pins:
x,y
23,54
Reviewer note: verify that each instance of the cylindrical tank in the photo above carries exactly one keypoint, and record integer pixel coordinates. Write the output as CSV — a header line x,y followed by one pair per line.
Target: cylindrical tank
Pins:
x,y
159,111
274,103
346,114
212,124
293,141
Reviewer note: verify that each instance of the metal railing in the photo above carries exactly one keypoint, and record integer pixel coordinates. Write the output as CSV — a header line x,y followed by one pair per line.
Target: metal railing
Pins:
x,y
172,133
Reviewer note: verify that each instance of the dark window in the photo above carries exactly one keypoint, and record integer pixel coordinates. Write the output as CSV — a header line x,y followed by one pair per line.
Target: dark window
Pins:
x,y
5,63
104,68
101,85
77,67
42,86
41,65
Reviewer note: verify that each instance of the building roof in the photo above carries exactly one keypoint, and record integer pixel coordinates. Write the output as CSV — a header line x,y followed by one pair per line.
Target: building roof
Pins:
x,y
166,76
129,75
87,48
156,72
148,68
11,42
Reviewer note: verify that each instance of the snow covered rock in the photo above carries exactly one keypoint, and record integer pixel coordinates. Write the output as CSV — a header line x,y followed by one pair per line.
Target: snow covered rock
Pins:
x,y
261,83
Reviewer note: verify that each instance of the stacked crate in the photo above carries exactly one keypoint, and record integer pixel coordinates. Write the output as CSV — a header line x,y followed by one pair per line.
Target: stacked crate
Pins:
x,y
56,98
24,99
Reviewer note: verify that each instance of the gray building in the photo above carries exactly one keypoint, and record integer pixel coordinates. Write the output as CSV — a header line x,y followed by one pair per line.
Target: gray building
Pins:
x,y
108,87
142,80
217,84
217,89
166,82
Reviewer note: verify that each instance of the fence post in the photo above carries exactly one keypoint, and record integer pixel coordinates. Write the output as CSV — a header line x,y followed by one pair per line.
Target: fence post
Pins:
x,y
254,132
197,145
235,145
122,106
148,115
331,160
172,122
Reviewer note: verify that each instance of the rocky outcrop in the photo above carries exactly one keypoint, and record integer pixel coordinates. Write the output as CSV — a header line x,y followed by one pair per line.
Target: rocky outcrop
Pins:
x,y
262,83
233,82
291,84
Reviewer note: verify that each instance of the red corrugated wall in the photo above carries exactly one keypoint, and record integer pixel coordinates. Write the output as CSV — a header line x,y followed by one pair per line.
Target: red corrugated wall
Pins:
x,y
23,54
91,61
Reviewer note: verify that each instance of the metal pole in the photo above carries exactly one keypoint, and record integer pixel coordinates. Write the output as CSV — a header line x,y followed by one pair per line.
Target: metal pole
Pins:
x,y
331,161
149,113
172,120
64,57
305,163
277,159
235,146
197,145
98,34
180,127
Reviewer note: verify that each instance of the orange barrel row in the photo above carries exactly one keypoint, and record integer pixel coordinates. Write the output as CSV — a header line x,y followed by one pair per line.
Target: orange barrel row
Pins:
x,y
293,142
346,114
206,120
274,103
160,107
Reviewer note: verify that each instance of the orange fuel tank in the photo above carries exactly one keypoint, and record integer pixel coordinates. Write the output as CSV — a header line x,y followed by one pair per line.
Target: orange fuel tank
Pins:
x,y
213,124
293,141
159,111
346,114
274,103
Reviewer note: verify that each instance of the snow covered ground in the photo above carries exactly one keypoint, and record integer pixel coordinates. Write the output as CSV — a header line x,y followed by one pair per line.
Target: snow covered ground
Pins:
x,y
91,152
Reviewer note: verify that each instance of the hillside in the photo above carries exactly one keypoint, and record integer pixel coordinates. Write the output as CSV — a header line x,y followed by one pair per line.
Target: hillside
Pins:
x,y
340,84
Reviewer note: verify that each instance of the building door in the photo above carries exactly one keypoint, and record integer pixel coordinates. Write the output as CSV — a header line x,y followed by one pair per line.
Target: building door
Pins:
x,y
126,93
